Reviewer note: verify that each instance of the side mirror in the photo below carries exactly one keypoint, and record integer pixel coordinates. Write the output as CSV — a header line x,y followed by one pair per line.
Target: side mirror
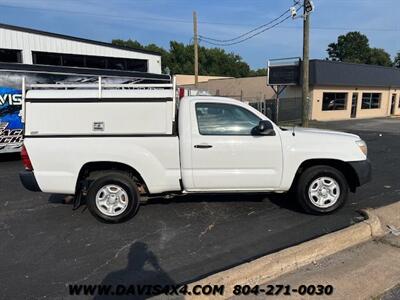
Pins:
x,y
265,128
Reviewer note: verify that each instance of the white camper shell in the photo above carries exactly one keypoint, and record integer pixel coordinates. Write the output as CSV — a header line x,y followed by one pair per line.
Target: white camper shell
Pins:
x,y
87,109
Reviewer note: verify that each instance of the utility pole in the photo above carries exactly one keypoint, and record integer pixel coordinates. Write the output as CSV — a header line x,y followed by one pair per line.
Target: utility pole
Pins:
x,y
306,64
196,50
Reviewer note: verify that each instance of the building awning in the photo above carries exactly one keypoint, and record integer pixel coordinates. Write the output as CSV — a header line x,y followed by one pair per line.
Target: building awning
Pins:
x,y
332,73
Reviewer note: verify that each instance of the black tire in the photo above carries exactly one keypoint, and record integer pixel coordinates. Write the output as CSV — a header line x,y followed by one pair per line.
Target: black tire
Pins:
x,y
309,204
118,179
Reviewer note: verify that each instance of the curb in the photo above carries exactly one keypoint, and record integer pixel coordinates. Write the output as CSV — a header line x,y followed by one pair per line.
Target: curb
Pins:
x,y
274,265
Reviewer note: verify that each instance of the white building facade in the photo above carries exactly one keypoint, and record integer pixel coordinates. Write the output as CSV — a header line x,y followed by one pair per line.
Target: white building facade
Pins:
x,y
30,46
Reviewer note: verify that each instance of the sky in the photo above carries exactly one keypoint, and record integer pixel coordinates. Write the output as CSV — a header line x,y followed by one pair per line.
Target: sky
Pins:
x,y
159,21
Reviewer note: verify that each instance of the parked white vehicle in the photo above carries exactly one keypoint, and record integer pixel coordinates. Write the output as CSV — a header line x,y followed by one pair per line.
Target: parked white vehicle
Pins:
x,y
115,145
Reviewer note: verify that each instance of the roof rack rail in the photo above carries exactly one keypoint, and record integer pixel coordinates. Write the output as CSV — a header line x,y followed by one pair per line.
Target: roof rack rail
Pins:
x,y
134,84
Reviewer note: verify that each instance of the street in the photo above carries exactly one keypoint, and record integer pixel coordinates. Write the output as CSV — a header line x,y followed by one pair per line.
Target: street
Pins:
x,y
45,245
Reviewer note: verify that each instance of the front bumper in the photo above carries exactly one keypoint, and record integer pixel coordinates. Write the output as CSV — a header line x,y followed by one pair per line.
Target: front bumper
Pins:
x,y
363,170
29,181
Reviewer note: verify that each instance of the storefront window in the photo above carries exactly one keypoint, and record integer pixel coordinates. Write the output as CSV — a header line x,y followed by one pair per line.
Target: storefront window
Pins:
x,y
371,100
334,101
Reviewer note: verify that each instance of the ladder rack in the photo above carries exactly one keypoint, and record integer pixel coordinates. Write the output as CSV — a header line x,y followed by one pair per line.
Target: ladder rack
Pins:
x,y
101,86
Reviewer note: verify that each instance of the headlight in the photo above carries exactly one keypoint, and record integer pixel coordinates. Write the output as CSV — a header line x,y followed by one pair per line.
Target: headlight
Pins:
x,y
363,146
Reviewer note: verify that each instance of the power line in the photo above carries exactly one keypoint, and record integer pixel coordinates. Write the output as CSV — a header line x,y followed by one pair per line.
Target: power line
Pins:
x,y
256,30
167,20
73,12
119,17
345,28
246,33
247,38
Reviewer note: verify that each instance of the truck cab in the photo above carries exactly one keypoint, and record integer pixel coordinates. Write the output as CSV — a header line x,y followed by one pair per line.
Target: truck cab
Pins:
x,y
222,148
114,146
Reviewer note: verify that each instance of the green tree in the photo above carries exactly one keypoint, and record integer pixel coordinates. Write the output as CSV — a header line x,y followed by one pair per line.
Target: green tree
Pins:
x,y
215,61
179,59
128,43
379,57
259,72
352,47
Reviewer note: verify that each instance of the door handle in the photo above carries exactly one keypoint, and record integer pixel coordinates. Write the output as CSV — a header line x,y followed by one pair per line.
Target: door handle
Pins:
x,y
203,146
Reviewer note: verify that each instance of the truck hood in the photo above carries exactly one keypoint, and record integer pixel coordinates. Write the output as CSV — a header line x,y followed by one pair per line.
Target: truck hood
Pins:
x,y
310,143
318,133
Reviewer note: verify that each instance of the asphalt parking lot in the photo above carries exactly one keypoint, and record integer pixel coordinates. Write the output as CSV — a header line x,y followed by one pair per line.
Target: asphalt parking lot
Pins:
x,y
46,246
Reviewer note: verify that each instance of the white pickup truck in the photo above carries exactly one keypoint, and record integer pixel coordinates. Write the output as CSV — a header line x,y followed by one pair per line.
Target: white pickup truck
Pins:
x,y
115,145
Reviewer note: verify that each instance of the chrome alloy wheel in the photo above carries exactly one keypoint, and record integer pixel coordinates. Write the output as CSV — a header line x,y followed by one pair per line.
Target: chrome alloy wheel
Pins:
x,y
112,200
324,192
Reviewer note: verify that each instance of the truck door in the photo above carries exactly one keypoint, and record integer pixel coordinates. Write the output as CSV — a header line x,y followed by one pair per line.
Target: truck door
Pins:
x,y
225,154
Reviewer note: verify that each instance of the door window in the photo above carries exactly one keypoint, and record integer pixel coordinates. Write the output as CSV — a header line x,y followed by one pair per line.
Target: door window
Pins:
x,y
225,119
354,105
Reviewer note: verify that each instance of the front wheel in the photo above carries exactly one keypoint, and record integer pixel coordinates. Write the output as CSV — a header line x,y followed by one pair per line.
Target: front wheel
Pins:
x,y
322,189
113,197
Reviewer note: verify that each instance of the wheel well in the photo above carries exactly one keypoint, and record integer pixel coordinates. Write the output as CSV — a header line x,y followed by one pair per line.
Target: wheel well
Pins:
x,y
92,170
345,168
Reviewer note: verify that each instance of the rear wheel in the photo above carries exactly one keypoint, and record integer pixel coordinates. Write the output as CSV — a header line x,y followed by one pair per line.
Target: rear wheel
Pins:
x,y
113,197
322,189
